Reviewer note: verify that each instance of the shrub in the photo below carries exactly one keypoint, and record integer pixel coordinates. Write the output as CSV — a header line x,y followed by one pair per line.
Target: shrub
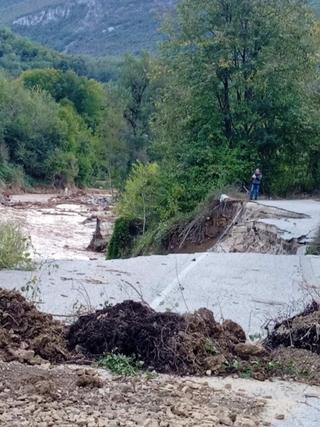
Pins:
x,y
141,196
120,364
14,247
124,234
314,248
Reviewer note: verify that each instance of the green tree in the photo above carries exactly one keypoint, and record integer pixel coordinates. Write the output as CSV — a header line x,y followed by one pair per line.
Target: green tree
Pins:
x,y
112,148
41,137
86,95
237,95
141,197
139,92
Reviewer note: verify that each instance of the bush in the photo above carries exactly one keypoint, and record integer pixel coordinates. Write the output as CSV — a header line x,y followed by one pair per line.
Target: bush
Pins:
x,y
119,364
12,174
14,247
314,248
124,234
141,196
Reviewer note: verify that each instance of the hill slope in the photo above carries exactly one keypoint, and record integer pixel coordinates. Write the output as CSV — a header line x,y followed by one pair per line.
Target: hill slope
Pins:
x,y
95,27
18,54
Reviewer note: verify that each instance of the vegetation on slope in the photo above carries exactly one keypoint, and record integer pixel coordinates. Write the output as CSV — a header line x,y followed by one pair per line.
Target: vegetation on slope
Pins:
x,y
18,54
236,86
96,27
241,90
55,122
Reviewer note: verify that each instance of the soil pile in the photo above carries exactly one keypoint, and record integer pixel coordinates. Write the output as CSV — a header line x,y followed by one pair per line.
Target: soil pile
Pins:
x,y
26,334
301,331
166,342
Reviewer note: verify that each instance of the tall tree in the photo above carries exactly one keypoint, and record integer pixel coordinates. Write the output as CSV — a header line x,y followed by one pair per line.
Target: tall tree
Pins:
x,y
139,92
239,72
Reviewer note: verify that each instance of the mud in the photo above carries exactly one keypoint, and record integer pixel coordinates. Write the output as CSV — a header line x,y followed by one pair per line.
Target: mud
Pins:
x,y
205,229
301,331
61,226
165,342
27,335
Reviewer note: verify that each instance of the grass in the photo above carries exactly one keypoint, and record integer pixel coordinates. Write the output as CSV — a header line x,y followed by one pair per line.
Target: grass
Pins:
x,y
14,247
120,364
314,248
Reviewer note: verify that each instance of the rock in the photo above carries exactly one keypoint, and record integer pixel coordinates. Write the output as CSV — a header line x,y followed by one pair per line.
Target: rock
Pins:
x,y
98,242
23,355
150,423
280,417
117,397
247,350
181,410
225,420
126,388
216,364
244,422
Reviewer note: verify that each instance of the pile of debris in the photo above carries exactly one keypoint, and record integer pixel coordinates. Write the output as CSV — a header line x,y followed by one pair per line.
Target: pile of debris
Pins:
x,y
301,331
189,344
166,342
26,334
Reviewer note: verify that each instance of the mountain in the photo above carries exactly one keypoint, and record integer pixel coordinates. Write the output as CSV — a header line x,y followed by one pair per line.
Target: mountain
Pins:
x,y
96,27
18,54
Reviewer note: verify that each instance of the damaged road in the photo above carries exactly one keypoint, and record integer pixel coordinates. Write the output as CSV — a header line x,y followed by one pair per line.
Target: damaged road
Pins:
x,y
260,286
45,394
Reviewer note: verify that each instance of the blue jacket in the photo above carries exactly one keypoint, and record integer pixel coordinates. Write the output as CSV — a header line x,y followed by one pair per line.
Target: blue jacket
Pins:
x,y
256,179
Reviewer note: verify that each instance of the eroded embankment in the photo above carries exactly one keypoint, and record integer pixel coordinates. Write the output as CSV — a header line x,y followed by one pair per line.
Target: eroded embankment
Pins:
x,y
235,226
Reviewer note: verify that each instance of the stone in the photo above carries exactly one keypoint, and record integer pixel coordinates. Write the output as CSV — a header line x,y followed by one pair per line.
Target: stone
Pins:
x,y
117,397
247,350
244,422
225,420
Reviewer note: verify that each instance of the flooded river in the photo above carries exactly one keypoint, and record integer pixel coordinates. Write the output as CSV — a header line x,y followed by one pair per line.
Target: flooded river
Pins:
x,y
60,227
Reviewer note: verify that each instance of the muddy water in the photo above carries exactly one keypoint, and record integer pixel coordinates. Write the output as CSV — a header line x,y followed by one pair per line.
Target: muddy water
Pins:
x,y
60,228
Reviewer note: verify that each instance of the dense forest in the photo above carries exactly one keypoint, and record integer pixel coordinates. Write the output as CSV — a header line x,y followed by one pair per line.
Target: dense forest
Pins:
x,y
235,86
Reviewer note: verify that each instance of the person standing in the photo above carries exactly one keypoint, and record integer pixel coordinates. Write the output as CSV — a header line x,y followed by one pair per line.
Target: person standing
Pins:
x,y
255,185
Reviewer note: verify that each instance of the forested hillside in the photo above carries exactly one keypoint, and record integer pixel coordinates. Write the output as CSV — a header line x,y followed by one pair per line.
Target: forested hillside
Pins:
x,y
18,54
241,90
96,27
56,121
234,86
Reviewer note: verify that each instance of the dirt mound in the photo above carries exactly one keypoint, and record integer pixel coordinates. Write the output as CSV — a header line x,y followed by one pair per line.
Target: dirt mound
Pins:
x,y
167,342
301,331
28,335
